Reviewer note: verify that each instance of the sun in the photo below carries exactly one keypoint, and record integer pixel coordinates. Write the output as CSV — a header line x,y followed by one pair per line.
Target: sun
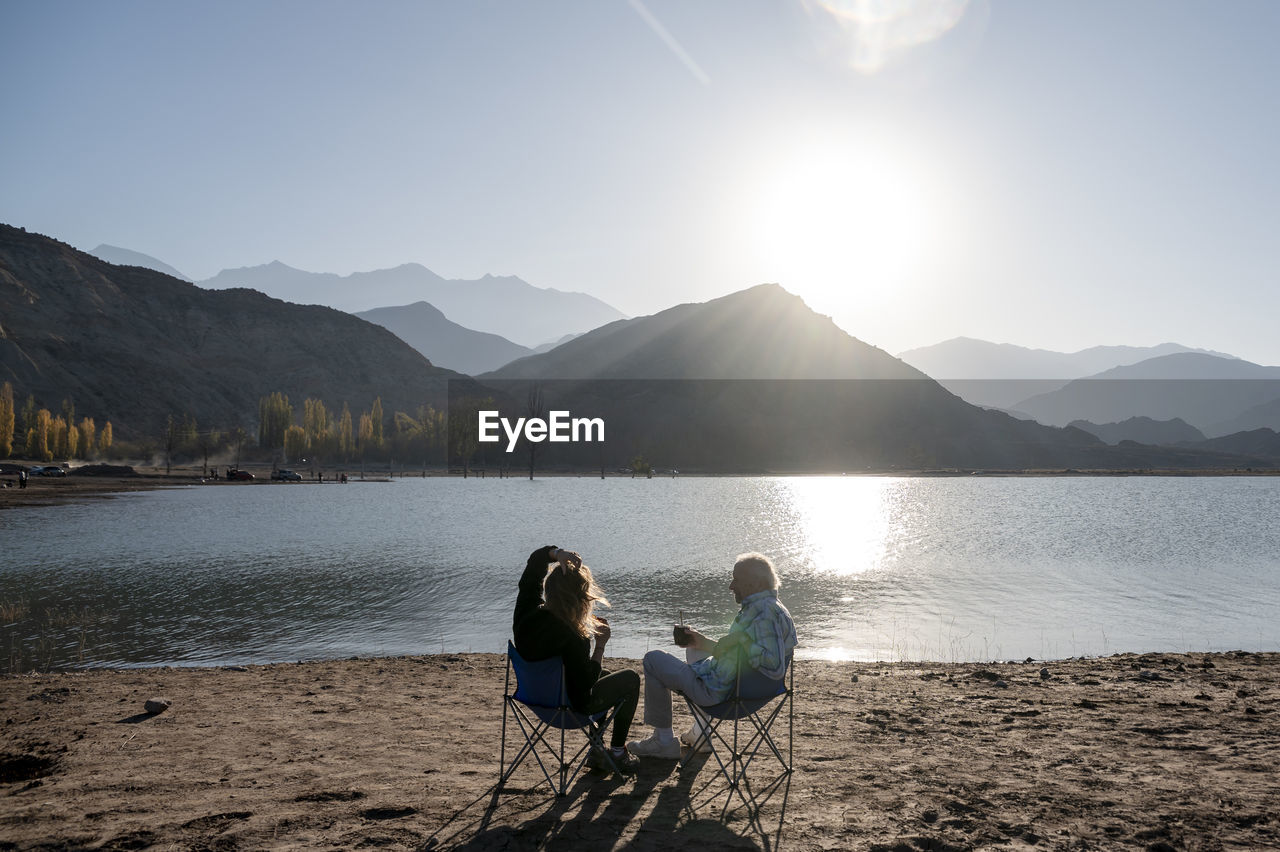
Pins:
x,y
841,226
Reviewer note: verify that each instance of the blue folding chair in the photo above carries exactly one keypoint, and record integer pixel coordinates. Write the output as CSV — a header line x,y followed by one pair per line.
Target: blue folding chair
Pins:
x,y
752,712
540,706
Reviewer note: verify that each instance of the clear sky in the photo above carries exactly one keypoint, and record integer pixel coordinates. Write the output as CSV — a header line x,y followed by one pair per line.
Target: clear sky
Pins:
x,y
1052,174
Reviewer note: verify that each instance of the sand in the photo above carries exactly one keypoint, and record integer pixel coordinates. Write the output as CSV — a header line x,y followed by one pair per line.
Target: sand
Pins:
x,y
1128,752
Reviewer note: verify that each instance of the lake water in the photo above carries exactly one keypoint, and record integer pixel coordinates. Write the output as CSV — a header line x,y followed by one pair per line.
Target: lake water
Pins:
x,y
873,568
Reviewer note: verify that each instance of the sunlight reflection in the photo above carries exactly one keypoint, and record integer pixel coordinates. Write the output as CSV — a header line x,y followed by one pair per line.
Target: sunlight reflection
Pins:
x,y
873,32
843,524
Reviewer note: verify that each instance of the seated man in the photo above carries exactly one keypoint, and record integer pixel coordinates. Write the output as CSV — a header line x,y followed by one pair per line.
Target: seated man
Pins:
x,y
762,637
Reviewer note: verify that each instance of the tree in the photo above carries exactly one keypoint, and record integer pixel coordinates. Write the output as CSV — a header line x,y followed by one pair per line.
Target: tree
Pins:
x,y
57,439
366,433
6,420
345,442
535,408
28,423
275,415
463,430
295,443
376,415
315,421
105,438
88,433
38,439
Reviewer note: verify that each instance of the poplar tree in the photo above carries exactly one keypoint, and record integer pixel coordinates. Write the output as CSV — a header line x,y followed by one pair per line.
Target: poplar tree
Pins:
x,y
6,420
38,439
87,436
105,437
28,424
345,443
295,442
376,415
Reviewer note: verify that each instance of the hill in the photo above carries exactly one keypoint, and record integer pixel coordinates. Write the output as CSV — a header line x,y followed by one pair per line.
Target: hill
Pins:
x,y
445,343
1142,430
1204,390
136,346
503,305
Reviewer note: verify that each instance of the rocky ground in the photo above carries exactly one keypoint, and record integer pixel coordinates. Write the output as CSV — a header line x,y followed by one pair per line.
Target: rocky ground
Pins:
x,y
1152,752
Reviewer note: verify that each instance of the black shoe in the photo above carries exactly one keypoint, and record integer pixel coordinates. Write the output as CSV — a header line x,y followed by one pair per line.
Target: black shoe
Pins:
x,y
626,763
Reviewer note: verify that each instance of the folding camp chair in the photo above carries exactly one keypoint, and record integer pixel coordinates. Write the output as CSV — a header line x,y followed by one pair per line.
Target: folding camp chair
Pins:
x,y
750,716
540,706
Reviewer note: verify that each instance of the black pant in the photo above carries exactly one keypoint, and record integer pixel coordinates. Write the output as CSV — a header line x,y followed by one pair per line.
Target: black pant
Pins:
x,y
621,690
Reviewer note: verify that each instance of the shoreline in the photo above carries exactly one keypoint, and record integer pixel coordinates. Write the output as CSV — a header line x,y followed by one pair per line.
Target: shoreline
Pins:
x,y
1151,751
73,489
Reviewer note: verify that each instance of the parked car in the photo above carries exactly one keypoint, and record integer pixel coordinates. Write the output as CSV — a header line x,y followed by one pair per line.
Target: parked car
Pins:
x,y
52,471
234,475
283,475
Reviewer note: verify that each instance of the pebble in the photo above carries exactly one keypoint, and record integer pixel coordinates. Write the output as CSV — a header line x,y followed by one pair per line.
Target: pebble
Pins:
x,y
1044,674
853,679
157,705
1001,685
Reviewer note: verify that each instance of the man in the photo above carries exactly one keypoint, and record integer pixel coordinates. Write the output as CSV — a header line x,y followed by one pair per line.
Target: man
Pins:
x,y
761,637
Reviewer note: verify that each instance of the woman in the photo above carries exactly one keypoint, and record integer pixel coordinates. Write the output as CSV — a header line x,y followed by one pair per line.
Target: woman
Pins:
x,y
561,624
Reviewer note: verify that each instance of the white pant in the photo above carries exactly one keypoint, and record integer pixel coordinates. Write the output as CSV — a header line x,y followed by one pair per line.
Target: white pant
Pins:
x,y
664,673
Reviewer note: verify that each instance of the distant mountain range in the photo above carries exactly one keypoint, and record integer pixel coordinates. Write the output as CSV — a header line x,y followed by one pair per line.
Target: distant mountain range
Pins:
x,y
445,343
134,346
756,381
1143,430
1000,375
128,257
1216,395
506,305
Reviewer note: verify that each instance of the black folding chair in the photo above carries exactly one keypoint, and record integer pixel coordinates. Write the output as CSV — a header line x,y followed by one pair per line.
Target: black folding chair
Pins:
x,y
540,707
741,729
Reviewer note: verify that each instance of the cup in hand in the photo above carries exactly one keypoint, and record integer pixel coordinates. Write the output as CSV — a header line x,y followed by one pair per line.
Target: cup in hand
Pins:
x,y
680,635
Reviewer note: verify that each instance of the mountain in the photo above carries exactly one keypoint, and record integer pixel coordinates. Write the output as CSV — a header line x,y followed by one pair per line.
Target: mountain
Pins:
x,y
1264,443
746,335
127,257
552,344
756,381
1264,416
135,346
503,305
445,343
1143,430
1203,390
1002,374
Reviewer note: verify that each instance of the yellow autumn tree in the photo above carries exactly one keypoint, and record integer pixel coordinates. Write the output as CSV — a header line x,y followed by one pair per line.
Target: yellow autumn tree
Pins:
x,y
6,420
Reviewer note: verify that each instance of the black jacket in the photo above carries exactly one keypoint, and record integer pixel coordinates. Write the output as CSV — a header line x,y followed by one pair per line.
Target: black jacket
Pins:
x,y
540,635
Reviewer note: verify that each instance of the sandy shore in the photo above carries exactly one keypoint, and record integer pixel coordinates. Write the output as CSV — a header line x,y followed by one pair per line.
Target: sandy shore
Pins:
x,y
1148,752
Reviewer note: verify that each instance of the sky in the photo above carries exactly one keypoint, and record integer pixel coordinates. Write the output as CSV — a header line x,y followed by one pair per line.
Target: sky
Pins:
x,y
1057,174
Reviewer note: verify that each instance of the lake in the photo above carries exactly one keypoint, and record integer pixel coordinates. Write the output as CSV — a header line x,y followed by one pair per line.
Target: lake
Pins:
x,y
873,568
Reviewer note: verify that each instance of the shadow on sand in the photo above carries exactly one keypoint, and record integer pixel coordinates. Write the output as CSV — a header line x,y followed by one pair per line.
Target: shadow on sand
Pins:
x,y
689,811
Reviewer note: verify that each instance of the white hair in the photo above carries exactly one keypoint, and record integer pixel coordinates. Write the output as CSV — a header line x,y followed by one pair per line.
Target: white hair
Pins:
x,y
759,568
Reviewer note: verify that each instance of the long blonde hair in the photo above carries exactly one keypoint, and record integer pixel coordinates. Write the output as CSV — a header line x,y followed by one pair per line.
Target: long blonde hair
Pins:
x,y
571,595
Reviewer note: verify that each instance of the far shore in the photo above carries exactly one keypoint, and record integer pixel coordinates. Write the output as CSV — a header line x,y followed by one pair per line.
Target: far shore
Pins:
x,y
1155,752
42,491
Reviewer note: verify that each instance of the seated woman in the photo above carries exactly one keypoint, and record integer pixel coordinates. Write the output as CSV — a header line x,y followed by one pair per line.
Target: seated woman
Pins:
x,y
561,624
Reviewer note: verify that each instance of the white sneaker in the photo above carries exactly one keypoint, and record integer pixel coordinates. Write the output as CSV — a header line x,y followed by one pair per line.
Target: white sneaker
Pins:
x,y
654,747
694,736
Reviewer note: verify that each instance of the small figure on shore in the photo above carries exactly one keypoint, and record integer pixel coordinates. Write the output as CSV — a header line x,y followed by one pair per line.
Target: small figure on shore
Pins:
x,y
22,479
761,637
555,617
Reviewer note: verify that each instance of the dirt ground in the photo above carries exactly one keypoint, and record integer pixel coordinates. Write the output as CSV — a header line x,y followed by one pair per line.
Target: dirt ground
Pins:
x,y
1150,752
